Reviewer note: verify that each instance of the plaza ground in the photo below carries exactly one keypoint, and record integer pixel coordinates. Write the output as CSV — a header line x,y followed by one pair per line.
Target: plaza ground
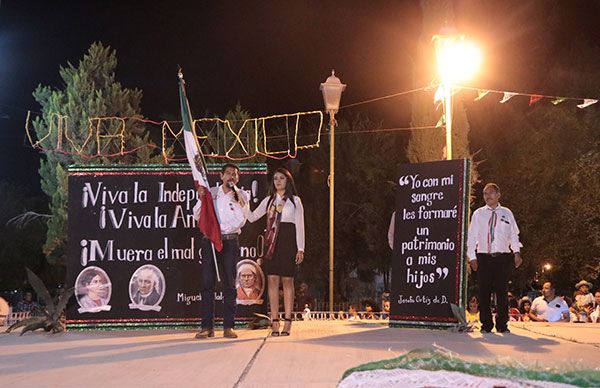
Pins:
x,y
315,355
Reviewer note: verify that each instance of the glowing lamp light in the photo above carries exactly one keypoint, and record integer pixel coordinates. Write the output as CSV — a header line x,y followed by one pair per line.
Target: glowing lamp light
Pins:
x,y
547,266
458,60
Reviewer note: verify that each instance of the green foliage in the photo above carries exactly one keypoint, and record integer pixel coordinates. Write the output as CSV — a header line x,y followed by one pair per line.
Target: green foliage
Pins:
x,y
546,158
220,139
462,326
89,90
440,360
53,310
365,170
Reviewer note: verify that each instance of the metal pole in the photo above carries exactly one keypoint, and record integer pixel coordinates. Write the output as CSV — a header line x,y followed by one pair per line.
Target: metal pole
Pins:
x,y
331,205
448,112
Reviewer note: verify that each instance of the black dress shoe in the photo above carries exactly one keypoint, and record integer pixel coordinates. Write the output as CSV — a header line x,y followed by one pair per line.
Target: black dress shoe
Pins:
x,y
205,333
503,331
229,333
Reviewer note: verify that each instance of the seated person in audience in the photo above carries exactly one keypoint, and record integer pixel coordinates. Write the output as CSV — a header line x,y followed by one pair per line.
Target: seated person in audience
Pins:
x,y
524,308
472,312
583,296
595,314
549,307
352,313
386,306
27,304
371,308
306,314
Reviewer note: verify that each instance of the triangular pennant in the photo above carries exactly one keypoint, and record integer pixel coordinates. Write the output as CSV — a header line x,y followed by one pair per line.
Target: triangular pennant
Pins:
x,y
481,93
441,122
507,96
558,100
587,102
534,98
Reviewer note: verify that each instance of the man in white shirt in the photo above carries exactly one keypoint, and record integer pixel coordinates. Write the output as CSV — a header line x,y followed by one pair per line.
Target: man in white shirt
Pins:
x,y
493,239
229,203
549,307
595,315
392,231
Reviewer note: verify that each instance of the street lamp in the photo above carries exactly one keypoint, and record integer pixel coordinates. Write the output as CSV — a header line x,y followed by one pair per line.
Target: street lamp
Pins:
x,y
547,267
458,60
332,90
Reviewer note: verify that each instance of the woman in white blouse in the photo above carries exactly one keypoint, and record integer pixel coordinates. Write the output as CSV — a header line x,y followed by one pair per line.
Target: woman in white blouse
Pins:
x,y
284,243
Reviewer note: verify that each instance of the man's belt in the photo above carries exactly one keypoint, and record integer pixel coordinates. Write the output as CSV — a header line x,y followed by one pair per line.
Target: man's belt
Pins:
x,y
229,236
496,254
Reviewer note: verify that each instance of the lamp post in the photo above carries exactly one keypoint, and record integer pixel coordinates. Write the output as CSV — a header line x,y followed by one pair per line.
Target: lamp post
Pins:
x,y
332,90
546,267
458,60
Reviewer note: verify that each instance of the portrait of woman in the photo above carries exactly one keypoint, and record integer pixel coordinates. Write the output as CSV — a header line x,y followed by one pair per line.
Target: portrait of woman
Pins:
x,y
93,290
250,283
284,243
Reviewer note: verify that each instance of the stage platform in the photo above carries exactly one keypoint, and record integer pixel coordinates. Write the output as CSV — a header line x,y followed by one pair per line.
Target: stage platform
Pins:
x,y
315,355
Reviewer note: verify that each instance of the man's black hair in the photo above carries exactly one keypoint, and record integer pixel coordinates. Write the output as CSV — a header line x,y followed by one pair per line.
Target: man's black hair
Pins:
x,y
225,166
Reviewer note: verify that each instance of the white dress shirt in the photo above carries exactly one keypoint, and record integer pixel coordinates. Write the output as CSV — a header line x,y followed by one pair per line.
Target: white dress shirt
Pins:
x,y
595,315
392,231
290,213
552,311
229,213
502,237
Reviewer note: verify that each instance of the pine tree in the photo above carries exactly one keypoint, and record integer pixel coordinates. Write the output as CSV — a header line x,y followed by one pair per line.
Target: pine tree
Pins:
x,y
66,124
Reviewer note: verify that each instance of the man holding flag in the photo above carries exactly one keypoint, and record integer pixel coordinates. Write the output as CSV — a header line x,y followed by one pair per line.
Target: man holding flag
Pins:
x,y
220,222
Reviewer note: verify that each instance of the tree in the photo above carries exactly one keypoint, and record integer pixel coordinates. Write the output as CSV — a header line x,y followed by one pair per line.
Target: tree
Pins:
x,y
221,136
366,165
90,90
545,157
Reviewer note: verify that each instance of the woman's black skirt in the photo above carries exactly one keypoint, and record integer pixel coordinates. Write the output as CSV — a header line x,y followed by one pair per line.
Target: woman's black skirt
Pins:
x,y
283,262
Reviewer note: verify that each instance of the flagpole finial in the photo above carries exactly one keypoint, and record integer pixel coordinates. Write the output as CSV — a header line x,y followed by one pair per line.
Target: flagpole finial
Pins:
x,y
179,72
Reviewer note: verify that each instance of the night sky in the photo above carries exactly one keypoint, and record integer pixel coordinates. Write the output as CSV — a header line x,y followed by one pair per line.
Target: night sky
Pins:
x,y
270,56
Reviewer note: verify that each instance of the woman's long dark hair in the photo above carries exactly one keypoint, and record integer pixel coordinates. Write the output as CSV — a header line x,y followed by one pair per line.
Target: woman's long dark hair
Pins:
x,y
290,187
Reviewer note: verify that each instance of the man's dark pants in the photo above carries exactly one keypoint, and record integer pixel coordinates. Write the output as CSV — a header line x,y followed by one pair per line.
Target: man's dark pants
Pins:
x,y
492,276
227,261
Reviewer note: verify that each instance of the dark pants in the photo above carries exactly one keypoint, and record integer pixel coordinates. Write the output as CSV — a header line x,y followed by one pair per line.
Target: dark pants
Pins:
x,y
492,276
227,261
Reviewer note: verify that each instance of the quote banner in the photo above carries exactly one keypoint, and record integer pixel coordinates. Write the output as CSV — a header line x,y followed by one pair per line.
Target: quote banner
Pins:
x,y
428,268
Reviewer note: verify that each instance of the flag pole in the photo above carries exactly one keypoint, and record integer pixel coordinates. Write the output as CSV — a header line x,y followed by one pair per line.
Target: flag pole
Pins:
x,y
203,162
215,259
212,245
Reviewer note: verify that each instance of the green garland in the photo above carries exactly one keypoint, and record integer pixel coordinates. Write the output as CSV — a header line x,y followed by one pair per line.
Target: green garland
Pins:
x,y
437,360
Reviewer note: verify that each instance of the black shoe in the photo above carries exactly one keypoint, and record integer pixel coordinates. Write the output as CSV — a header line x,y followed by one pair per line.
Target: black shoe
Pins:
x,y
287,332
275,327
205,333
486,330
503,331
229,333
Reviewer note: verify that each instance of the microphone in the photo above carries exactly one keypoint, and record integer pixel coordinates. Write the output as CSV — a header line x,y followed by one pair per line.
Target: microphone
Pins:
x,y
233,187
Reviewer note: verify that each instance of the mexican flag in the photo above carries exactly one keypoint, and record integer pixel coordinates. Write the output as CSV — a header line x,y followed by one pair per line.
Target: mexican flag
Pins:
x,y
204,211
